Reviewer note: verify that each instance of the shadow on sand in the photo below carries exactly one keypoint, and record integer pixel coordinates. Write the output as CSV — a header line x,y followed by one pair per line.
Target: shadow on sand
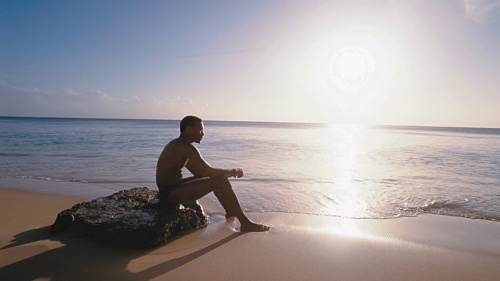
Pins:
x,y
80,259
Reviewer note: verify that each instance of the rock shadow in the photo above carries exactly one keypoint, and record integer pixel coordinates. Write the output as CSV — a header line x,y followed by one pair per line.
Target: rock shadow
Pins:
x,y
80,259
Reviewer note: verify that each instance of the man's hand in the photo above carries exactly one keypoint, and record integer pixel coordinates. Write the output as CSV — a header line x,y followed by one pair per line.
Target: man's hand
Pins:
x,y
237,173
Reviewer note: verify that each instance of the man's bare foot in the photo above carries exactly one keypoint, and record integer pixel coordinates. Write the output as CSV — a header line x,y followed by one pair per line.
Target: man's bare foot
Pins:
x,y
254,227
229,216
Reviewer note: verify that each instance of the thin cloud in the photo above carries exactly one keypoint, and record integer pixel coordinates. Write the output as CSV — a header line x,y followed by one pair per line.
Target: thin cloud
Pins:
x,y
16,101
482,11
226,53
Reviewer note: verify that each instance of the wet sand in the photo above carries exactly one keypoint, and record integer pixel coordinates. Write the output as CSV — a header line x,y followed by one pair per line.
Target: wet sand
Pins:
x,y
298,247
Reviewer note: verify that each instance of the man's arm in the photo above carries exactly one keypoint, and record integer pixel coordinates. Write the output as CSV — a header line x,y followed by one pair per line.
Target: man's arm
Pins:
x,y
199,167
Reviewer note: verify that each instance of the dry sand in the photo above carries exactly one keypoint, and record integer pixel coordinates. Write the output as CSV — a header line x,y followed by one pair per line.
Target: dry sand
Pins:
x,y
298,247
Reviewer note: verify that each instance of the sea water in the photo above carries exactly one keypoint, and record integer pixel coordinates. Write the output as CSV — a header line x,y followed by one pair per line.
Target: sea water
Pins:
x,y
336,170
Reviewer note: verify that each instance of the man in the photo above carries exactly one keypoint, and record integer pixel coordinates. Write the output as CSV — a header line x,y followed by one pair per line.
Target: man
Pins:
x,y
180,153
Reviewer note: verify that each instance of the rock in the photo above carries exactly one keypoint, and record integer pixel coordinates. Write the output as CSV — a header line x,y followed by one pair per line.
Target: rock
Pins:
x,y
130,218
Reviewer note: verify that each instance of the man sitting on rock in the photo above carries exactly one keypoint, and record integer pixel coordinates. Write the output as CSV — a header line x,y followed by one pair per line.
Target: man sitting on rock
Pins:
x,y
175,189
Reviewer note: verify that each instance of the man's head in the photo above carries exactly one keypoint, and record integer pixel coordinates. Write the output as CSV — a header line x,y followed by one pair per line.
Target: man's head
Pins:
x,y
192,128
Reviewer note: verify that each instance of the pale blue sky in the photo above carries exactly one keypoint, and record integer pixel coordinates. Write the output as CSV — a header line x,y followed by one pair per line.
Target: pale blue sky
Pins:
x,y
370,62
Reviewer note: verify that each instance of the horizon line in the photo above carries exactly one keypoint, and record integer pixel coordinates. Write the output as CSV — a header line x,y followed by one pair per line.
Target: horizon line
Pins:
x,y
257,121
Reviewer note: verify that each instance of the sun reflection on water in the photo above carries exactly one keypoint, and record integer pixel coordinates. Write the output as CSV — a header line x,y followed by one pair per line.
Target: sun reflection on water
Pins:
x,y
336,171
347,156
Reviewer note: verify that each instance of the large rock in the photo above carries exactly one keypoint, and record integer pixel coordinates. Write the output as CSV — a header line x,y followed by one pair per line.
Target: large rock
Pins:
x,y
130,218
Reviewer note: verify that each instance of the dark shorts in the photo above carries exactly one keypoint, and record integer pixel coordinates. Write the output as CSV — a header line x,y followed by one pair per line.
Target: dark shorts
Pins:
x,y
164,193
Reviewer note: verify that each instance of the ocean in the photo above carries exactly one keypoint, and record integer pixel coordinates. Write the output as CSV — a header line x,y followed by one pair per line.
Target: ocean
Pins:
x,y
353,171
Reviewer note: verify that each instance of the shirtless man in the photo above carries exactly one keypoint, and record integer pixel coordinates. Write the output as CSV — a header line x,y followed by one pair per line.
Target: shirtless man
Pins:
x,y
180,153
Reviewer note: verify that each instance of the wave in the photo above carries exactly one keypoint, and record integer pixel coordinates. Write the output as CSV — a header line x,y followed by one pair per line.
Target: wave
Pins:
x,y
459,208
448,208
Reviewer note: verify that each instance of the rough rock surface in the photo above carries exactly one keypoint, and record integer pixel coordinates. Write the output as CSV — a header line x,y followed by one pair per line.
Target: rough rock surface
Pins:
x,y
130,218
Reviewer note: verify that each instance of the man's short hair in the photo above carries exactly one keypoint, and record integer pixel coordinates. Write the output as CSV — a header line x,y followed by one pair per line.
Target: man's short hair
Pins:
x,y
189,121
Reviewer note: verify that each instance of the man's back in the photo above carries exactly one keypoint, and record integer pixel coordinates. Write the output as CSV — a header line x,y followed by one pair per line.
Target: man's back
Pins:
x,y
172,160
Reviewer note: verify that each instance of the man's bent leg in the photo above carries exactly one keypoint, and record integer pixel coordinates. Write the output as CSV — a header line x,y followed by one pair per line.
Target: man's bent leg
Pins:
x,y
219,197
230,202
196,189
191,190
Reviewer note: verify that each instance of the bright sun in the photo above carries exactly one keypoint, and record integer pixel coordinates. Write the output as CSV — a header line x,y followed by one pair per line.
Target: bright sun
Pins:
x,y
352,68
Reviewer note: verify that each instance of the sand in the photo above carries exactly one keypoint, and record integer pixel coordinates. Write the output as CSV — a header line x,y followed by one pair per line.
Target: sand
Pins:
x,y
298,247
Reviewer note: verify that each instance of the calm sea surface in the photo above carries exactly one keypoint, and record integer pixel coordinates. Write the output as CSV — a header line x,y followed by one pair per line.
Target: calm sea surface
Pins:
x,y
337,170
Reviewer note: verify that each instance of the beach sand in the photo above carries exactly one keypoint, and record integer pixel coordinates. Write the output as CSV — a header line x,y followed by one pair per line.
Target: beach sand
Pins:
x,y
298,247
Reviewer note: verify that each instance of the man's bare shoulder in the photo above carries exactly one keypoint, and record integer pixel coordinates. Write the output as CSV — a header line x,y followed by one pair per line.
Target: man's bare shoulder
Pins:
x,y
180,145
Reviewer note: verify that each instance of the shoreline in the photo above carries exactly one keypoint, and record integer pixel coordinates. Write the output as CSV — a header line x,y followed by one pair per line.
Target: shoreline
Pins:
x,y
89,191
298,247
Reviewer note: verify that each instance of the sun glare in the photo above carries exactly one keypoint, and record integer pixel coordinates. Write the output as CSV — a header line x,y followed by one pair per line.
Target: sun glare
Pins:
x,y
356,67
352,67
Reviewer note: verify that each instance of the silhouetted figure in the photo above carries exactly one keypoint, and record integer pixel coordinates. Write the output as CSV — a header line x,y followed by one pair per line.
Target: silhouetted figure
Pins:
x,y
174,188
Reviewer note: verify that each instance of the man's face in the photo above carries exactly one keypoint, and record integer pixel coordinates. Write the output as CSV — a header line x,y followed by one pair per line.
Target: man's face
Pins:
x,y
197,132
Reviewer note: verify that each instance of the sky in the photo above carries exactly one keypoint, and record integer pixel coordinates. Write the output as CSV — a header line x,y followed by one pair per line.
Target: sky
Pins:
x,y
386,62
